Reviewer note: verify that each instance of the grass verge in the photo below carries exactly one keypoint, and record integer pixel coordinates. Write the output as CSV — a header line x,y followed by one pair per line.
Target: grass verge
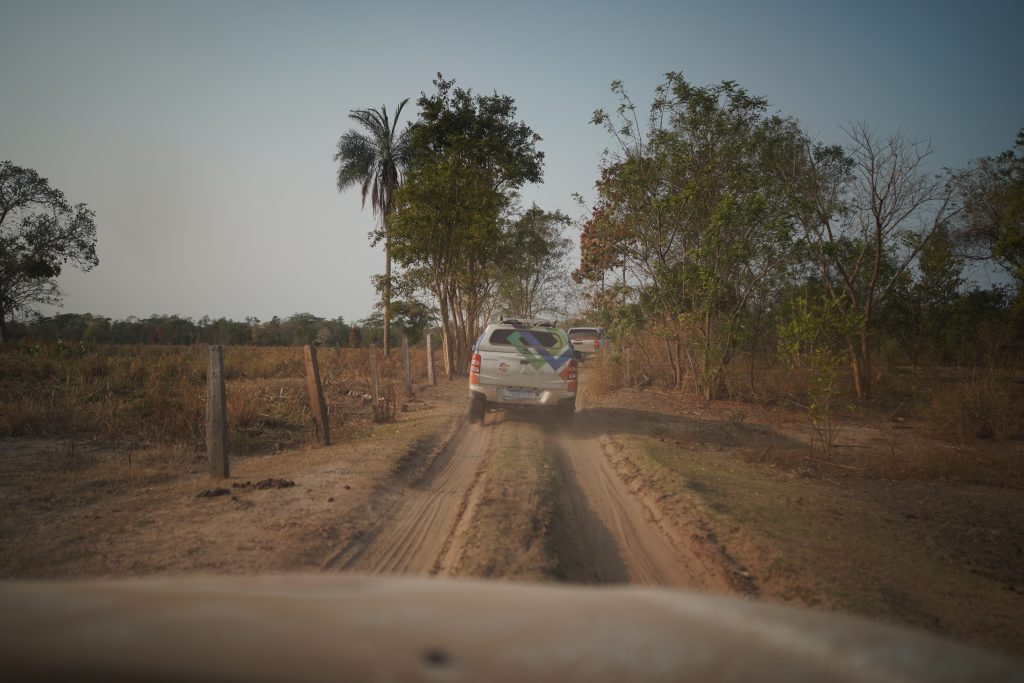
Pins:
x,y
885,554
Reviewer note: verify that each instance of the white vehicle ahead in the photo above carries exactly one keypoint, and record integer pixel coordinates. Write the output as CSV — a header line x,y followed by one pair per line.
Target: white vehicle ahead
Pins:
x,y
587,341
522,363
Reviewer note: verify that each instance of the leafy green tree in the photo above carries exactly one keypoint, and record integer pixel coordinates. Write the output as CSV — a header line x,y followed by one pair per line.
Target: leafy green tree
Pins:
x,y
919,308
268,333
977,328
301,328
691,218
376,161
867,211
454,214
992,223
533,282
40,233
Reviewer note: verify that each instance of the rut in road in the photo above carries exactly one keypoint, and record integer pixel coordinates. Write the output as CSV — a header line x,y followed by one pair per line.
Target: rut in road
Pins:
x,y
418,534
609,534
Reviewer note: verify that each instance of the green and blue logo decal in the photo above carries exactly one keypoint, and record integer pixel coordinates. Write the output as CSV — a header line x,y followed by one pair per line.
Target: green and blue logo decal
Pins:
x,y
537,354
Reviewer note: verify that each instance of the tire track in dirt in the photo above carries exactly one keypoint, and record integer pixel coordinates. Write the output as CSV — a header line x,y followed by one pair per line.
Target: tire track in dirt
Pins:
x,y
609,534
418,534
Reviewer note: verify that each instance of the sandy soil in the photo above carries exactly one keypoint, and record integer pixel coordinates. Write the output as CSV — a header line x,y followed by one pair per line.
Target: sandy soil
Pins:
x,y
604,532
80,509
615,534
431,494
417,532
401,500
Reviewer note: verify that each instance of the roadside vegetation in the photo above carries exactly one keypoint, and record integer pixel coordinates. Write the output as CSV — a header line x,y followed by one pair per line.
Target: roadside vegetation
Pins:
x,y
140,396
734,257
897,526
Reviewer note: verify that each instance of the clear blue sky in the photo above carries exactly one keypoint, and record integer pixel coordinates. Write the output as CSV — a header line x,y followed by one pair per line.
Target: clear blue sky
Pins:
x,y
202,133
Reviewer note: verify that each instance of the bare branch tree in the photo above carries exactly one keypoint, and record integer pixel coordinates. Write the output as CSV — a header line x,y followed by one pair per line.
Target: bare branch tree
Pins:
x,y
867,213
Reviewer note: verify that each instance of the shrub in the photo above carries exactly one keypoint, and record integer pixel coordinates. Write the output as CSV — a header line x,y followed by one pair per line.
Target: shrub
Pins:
x,y
980,408
604,374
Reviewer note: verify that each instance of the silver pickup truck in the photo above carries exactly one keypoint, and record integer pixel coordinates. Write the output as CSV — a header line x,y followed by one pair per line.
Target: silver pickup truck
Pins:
x,y
587,341
522,363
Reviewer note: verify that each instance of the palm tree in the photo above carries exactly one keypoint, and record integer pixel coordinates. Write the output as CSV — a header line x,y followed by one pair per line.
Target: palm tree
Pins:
x,y
375,160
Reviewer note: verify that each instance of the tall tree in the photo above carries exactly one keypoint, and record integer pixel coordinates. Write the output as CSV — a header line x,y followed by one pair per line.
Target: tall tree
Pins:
x,y
533,283
868,211
40,233
992,223
454,215
375,161
691,217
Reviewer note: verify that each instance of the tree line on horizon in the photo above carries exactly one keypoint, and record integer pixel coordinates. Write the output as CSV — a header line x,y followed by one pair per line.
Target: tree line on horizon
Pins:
x,y
295,330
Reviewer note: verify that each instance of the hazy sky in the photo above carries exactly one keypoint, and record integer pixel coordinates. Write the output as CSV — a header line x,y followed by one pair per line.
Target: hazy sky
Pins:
x,y
202,133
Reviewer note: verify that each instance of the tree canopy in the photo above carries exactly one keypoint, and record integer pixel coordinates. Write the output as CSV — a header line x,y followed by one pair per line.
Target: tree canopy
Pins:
x,y
692,214
992,224
454,222
375,161
40,233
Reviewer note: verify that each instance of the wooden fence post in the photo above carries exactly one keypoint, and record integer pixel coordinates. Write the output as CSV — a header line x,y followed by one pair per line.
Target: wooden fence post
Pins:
x,y
407,364
374,386
216,415
430,360
316,397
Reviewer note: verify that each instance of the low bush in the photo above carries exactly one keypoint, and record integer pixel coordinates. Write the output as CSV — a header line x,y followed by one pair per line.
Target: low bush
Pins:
x,y
982,407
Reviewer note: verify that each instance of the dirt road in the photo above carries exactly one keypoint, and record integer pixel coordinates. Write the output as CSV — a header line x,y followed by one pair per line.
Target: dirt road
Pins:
x,y
418,531
603,531
613,533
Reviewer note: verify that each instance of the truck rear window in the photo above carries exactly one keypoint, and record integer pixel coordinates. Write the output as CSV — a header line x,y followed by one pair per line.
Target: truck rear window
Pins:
x,y
516,338
584,333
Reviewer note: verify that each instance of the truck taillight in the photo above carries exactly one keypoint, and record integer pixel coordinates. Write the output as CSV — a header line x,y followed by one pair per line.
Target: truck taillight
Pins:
x,y
572,369
474,369
597,345
571,377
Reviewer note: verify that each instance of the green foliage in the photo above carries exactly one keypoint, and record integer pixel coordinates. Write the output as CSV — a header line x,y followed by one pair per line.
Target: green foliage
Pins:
x,y
410,318
375,161
533,279
454,225
721,231
992,223
866,213
920,308
296,330
807,339
40,233
694,214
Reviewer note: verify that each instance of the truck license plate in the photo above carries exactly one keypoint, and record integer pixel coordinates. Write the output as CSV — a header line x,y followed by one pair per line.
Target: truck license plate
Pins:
x,y
521,394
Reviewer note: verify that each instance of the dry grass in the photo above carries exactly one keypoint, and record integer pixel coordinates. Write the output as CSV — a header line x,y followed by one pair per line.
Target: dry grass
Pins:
x,y
156,395
981,407
605,373
970,405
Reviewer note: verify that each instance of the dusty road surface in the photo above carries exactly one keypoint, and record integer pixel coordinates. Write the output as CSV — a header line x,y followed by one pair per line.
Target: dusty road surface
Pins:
x,y
646,487
602,531
613,534
417,532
